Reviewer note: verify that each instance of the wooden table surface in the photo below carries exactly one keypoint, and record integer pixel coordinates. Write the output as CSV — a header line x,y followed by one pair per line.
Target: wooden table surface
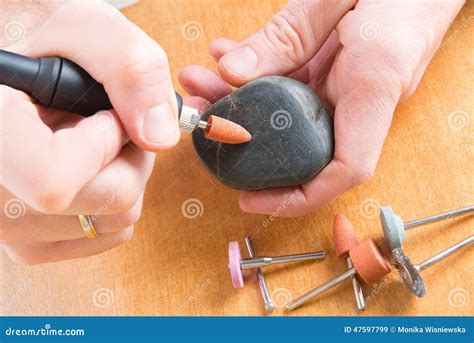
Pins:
x,y
178,266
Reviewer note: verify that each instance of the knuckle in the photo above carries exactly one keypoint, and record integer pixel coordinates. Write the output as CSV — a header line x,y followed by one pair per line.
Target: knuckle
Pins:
x,y
126,193
145,66
284,35
356,174
51,201
23,257
125,201
52,198
129,218
362,174
54,187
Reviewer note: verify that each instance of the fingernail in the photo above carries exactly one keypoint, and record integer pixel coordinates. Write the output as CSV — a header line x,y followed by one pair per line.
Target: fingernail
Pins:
x,y
161,125
241,62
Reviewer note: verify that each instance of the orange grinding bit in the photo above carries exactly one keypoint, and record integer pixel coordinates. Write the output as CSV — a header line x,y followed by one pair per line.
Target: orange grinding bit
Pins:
x,y
344,235
225,131
345,240
369,262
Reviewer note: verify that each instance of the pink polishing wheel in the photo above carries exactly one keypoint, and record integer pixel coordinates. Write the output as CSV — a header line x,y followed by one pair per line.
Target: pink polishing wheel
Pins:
x,y
369,262
343,235
234,265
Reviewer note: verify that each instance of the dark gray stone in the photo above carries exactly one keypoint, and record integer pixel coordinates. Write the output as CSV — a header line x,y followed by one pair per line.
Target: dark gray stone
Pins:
x,y
292,136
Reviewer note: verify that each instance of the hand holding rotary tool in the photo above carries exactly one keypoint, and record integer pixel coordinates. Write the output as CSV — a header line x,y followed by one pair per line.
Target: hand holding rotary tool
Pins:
x,y
57,161
57,165
63,85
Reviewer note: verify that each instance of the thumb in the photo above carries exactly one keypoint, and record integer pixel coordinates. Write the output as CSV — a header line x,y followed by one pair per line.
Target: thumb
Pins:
x,y
287,42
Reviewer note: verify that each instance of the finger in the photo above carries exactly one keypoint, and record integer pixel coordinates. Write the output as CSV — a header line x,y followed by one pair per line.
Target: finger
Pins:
x,y
320,66
268,200
47,169
221,46
286,43
331,182
37,253
117,187
132,67
38,228
56,119
200,81
315,71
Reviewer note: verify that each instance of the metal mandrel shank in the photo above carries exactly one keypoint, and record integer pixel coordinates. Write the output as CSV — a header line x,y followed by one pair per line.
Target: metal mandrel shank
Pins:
x,y
267,299
324,287
437,217
257,262
445,253
357,288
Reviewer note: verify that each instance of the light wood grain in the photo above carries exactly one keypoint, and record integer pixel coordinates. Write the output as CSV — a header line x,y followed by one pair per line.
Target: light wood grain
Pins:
x,y
176,265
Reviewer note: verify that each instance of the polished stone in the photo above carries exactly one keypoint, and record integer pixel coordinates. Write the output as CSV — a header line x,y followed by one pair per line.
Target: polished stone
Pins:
x,y
292,136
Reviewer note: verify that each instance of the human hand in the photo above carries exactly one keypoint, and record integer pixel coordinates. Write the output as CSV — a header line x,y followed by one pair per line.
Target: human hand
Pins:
x,y
56,165
359,62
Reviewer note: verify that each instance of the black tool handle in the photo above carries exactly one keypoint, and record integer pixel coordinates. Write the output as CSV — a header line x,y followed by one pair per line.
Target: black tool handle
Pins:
x,y
57,83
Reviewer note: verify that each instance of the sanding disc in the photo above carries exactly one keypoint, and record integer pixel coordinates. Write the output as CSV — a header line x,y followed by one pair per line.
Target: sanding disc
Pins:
x,y
393,228
409,273
234,265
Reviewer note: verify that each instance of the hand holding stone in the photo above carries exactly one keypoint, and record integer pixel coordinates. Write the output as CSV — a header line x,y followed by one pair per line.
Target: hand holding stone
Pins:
x,y
360,62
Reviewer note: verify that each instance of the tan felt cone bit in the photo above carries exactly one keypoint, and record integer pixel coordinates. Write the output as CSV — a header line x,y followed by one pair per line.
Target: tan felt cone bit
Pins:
x,y
225,131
